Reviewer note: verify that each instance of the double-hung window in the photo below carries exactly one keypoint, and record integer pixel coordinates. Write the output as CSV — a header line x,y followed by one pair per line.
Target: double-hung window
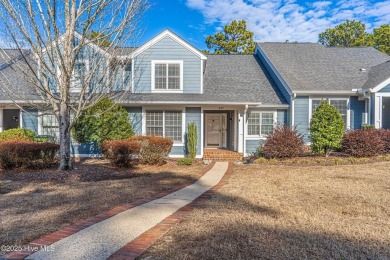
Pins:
x,y
340,104
167,75
165,123
50,126
260,123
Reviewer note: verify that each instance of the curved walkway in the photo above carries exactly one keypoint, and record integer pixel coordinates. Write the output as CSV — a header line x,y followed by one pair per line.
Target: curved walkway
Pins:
x,y
101,240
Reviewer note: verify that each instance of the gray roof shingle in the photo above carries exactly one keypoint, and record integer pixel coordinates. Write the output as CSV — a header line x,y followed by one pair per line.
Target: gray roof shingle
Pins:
x,y
311,66
227,79
13,84
377,75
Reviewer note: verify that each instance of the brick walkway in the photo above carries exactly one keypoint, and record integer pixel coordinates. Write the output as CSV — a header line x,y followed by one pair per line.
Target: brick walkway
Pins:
x,y
109,233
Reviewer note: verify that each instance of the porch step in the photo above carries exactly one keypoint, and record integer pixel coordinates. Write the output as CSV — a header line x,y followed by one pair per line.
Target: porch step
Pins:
x,y
221,155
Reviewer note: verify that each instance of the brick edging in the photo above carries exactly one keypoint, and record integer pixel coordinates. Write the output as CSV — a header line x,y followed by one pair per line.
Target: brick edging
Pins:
x,y
51,238
139,245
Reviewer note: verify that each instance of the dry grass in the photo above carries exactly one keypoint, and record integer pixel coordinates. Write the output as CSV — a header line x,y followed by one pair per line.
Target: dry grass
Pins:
x,y
34,203
289,212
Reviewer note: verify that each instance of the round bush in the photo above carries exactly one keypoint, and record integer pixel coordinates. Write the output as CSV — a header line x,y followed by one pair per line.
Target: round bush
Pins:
x,y
121,152
154,149
17,133
384,135
363,143
283,142
26,153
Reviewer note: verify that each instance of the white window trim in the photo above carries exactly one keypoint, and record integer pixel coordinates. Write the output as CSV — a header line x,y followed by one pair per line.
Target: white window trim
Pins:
x,y
183,118
154,62
260,136
73,88
378,108
348,126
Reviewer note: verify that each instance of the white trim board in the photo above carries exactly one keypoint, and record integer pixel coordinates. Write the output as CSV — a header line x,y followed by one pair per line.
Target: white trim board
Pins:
x,y
381,85
166,62
159,37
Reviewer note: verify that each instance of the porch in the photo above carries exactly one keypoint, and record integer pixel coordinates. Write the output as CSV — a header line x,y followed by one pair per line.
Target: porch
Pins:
x,y
10,117
221,134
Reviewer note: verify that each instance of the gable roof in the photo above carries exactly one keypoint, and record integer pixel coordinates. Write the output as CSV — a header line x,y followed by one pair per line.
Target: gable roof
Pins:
x,y
175,37
377,75
313,67
233,79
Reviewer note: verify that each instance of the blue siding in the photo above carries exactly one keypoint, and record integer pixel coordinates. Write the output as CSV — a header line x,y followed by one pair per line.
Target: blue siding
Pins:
x,y
135,114
385,89
282,116
193,114
274,77
178,150
357,109
251,146
30,119
301,115
85,149
167,49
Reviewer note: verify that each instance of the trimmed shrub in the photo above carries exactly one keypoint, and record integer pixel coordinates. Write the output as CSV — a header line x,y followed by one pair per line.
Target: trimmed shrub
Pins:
x,y
362,143
121,152
384,135
17,133
185,161
26,153
283,142
192,140
326,129
153,149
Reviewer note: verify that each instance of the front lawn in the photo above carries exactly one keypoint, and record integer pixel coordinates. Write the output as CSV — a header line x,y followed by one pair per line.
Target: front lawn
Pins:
x,y
37,202
289,212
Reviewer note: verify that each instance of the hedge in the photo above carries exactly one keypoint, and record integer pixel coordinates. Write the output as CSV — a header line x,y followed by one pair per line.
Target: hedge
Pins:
x,y
26,153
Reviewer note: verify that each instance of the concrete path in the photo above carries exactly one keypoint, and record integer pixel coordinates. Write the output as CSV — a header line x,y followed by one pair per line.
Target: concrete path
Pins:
x,y
101,240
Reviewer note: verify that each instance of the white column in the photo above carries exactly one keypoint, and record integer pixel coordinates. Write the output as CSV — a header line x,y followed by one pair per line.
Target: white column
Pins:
x,y
241,123
1,120
378,111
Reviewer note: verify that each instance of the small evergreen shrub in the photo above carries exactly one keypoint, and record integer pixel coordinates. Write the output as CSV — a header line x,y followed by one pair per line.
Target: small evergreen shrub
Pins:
x,y
384,135
102,122
283,142
326,129
368,127
192,140
153,149
28,154
121,152
362,143
17,133
185,161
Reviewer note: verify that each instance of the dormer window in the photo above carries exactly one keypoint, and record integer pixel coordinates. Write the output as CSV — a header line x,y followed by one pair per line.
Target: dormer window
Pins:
x,y
167,76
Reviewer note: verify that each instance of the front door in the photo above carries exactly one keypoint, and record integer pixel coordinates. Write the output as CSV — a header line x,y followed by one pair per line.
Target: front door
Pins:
x,y
386,112
215,130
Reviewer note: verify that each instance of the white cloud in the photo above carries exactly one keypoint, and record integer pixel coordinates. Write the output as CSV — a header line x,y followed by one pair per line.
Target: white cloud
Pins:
x,y
281,20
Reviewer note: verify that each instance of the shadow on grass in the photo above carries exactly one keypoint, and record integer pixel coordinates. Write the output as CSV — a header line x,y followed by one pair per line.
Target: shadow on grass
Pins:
x,y
227,227
32,209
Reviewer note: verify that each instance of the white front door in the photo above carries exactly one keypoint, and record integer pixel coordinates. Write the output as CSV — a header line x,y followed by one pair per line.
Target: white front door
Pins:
x,y
215,130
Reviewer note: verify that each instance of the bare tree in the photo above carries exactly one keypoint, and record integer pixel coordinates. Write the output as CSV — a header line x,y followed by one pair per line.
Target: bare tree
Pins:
x,y
65,70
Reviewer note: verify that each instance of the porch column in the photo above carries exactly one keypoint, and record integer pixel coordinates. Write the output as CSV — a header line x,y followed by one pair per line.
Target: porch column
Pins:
x,y
241,123
1,120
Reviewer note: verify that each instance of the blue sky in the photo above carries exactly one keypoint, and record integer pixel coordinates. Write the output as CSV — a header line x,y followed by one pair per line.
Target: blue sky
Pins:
x,y
270,20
